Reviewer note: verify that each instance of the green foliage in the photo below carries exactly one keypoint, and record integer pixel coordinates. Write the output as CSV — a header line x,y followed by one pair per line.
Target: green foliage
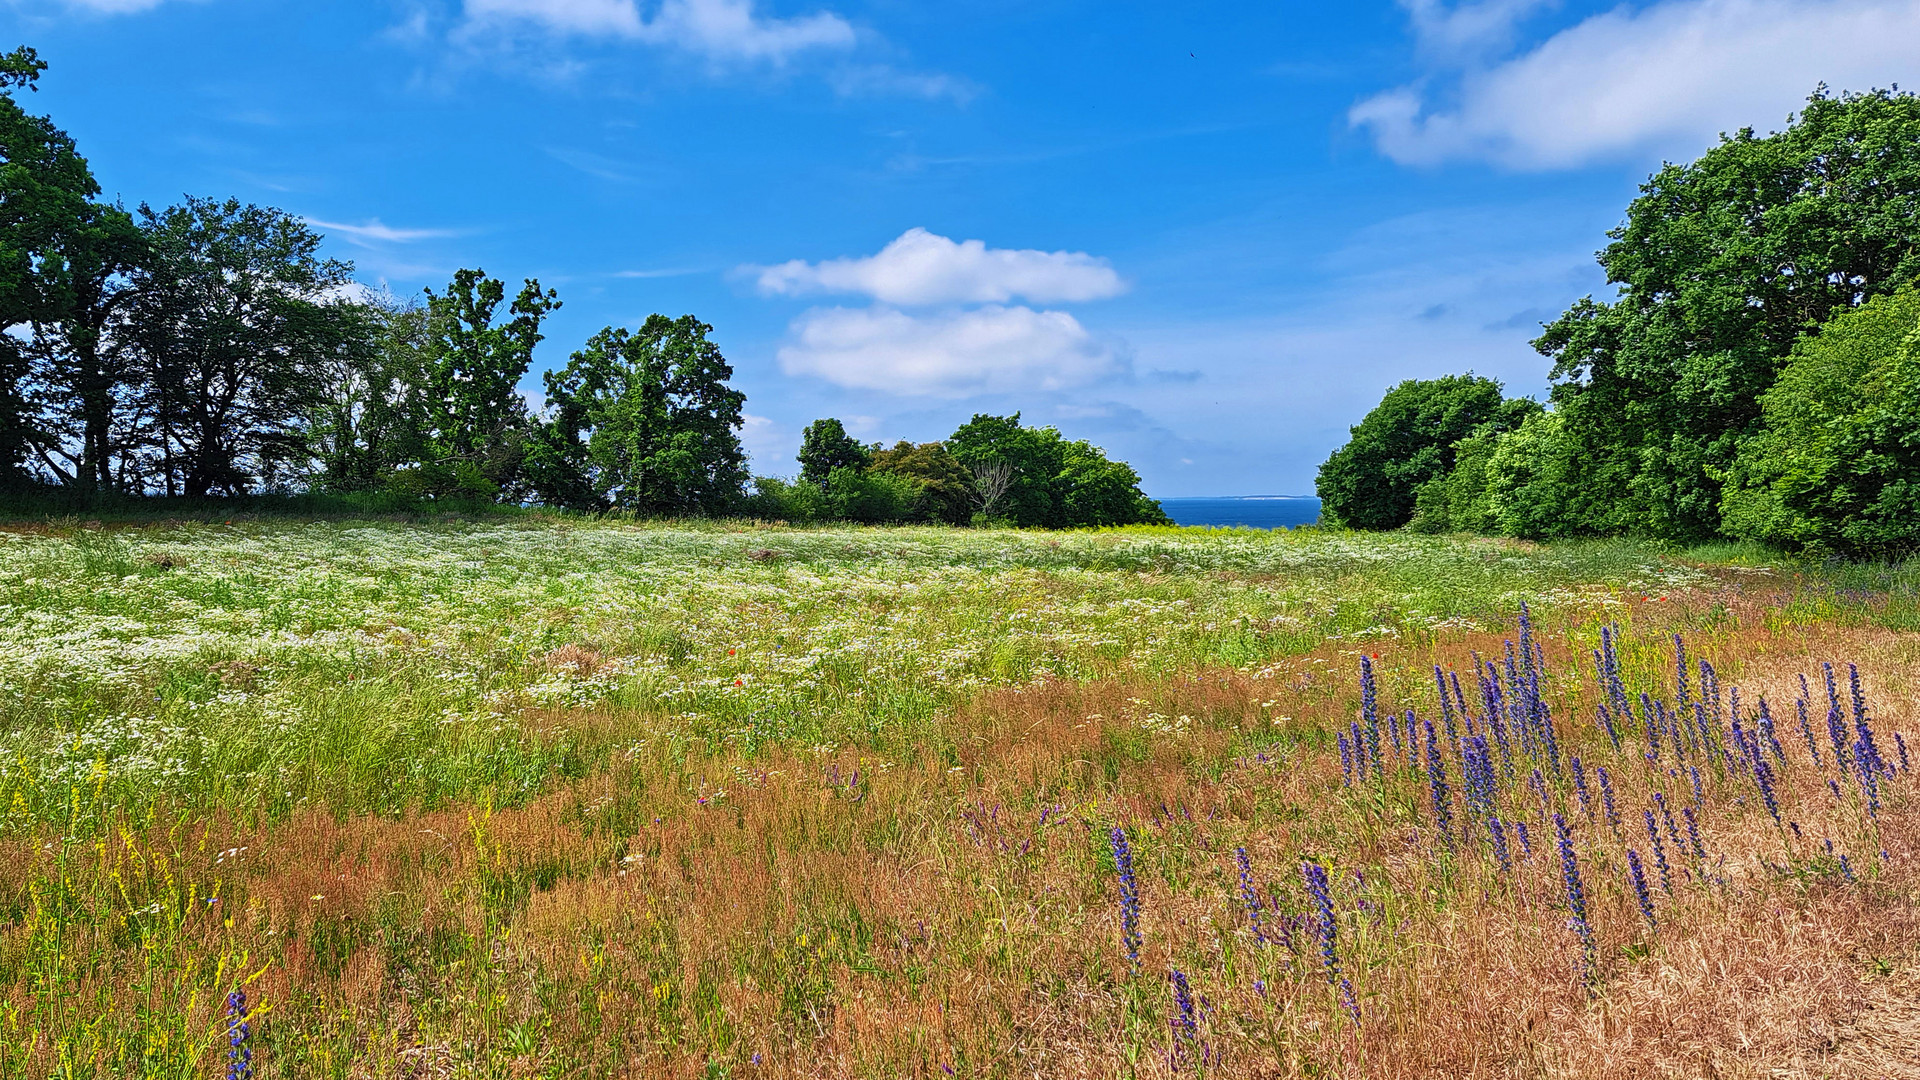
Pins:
x,y
870,498
63,264
1722,264
1837,466
460,425
1527,479
943,488
645,421
1102,492
1407,441
775,499
826,446
1051,483
235,328
1459,500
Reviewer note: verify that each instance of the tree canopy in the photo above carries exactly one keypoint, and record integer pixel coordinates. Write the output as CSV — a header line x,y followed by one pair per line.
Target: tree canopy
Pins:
x,y
1750,379
826,446
647,421
1405,442
1836,465
1722,264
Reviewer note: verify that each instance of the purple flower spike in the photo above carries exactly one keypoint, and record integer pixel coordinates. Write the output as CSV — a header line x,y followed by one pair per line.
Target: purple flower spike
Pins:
x,y
1638,875
1129,896
239,1054
1316,879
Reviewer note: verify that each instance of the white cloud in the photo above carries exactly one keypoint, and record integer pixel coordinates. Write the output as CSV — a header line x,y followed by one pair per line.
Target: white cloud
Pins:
x,y
923,268
115,7
1457,32
764,439
356,292
991,349
373,230
1671,75
563,16
717,29
729,28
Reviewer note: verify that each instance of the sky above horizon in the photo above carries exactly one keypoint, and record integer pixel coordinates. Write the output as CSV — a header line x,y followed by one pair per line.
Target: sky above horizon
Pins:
x,y
1205,236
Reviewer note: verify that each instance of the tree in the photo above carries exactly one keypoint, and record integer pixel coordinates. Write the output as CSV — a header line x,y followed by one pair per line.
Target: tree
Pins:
x,y
1406,441
236,320
1722,264
1049,482
1032,460
453,368
992,479
943,488
645,421
1098,491
1529,488
826,446
64,260
356,433
1836,467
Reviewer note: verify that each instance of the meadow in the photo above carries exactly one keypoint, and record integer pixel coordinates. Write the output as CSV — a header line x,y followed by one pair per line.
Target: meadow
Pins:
x,y
555,797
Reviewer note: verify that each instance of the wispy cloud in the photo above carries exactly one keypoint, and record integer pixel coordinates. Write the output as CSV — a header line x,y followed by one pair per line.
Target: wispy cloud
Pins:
x,y
680,271
1671,74
598,166
373,231
114,7
721,30
1461,32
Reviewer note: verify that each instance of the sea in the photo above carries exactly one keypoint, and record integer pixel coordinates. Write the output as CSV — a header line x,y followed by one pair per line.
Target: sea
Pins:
x,y
1248,511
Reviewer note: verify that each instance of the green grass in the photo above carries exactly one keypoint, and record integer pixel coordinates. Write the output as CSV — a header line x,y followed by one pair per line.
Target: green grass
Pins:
x,y
526,795
375,666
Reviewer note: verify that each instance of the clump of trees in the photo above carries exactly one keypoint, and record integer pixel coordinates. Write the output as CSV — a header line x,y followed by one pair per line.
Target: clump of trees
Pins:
x,y
992,470
1749,380
208,349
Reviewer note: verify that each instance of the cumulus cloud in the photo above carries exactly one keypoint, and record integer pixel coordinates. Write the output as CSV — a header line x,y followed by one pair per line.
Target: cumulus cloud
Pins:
x,y
991,349
924,268
1671,74
717,29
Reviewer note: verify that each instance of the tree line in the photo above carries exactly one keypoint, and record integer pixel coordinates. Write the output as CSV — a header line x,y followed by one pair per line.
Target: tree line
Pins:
x,y
991,470
1756,377
208,349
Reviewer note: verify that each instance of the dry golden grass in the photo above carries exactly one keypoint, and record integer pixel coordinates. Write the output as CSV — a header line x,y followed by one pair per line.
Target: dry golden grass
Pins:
x,y
833,913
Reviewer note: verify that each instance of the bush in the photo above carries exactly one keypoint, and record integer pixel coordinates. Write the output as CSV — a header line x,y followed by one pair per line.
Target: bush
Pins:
x,y
774,499
871,498
1530,490
1459,501
1837,466
1406,442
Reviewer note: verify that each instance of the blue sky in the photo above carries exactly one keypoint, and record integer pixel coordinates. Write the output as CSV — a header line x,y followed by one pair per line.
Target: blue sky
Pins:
x,y
1206,236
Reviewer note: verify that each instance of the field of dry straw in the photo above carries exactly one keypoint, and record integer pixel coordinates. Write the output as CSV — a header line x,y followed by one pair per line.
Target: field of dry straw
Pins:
x,y
537,798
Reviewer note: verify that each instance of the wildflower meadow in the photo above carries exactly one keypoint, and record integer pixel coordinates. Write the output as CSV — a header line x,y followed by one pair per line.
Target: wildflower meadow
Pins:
x,y
558,797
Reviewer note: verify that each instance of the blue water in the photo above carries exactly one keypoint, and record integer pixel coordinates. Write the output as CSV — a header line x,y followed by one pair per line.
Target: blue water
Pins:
x,y
1252,511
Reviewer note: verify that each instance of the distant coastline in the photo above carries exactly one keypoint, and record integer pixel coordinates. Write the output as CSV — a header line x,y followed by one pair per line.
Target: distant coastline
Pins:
x,y
1244,511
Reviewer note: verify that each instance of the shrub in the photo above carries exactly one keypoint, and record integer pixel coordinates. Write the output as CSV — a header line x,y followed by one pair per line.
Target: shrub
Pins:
x,y
774,499
1405,442
872,498
1837,465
